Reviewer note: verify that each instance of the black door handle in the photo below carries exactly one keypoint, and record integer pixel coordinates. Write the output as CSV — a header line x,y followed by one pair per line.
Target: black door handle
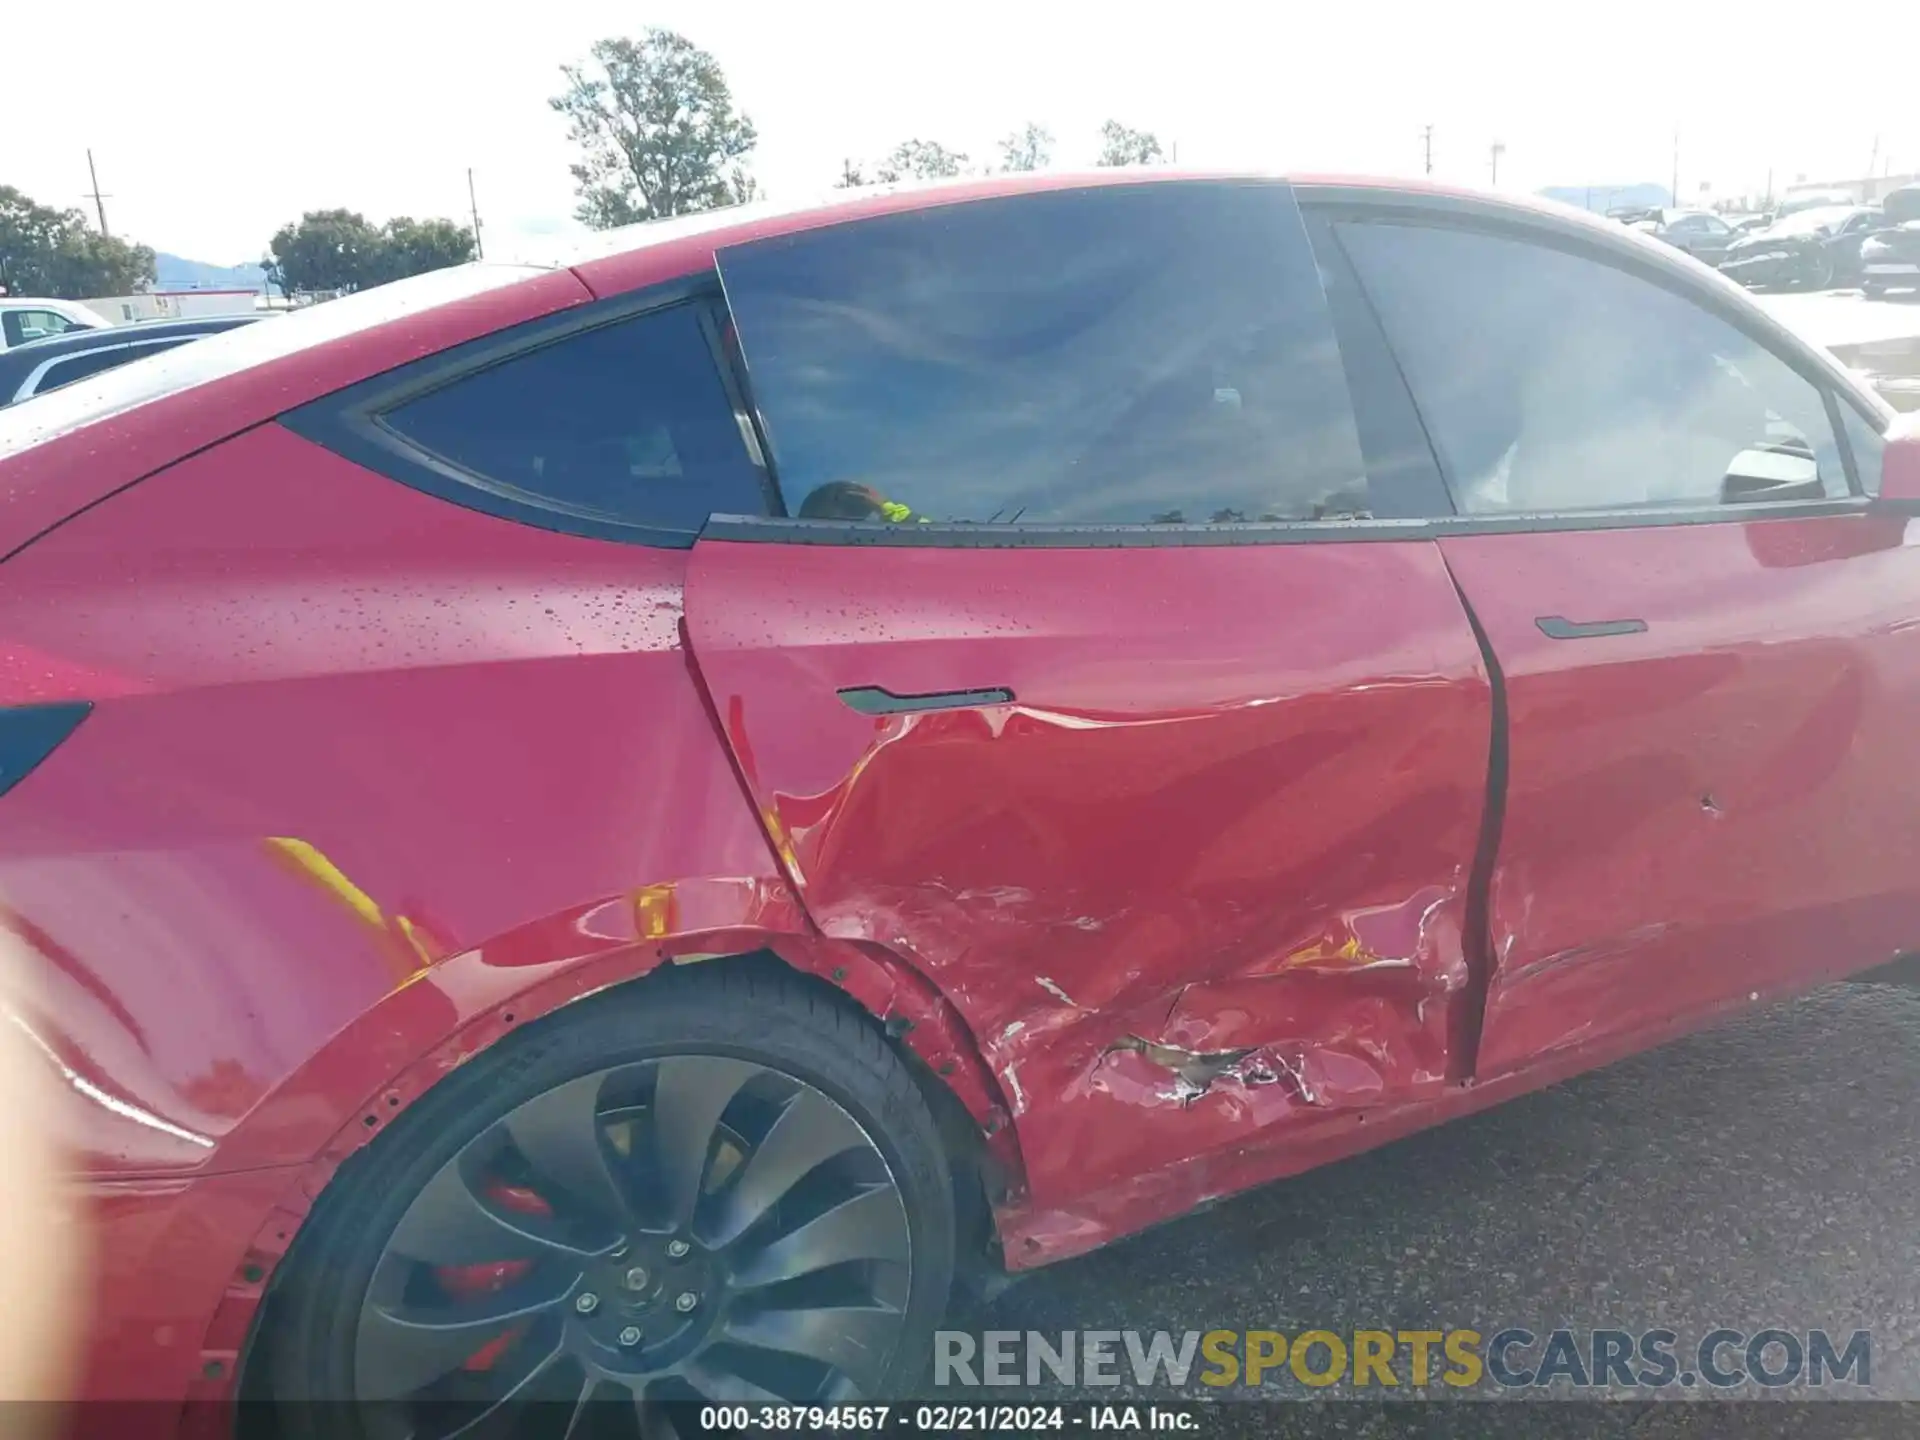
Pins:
x,y
1558,627
876,700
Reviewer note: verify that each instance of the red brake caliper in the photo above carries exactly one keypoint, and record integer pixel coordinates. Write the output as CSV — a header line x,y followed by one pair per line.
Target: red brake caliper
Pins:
x,y
470,1282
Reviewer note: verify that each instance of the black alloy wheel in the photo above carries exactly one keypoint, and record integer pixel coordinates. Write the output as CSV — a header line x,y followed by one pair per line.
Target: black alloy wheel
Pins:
x,y
1819,269
620,1219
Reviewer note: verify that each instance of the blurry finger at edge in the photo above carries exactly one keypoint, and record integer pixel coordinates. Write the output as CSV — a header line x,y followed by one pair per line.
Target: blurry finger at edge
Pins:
x,y
43,1281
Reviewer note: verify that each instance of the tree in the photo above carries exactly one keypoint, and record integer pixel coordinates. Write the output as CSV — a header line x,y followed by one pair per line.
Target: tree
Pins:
x,y
412,247
51,252
851,176
657,130
1028,148
325,250
340,250
919,160
1120,145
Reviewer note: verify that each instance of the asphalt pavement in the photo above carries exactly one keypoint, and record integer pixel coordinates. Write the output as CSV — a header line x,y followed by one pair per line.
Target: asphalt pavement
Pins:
x,y
1762,1174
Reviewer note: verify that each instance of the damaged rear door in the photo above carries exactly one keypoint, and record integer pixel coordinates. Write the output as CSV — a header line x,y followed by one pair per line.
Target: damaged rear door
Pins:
x,y
1094,677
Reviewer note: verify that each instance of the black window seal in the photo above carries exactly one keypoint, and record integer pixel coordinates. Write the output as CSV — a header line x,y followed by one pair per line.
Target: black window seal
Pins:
x,y
1376,387
347,421
762,529
1847,462
745,416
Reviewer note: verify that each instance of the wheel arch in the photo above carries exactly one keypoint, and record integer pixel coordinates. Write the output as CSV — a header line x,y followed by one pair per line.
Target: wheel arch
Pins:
x,y
909,1012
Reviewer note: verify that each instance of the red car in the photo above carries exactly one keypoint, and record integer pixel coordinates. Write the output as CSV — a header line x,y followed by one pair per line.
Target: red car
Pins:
x,y
602,832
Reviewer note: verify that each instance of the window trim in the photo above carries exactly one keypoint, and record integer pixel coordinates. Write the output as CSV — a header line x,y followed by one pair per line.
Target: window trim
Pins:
x,y
349,421
763,529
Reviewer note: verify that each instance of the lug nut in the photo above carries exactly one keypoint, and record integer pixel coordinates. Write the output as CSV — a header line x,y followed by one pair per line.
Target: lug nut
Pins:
x,y
631,1335
677,1249
637,1278
685,1301
587,1303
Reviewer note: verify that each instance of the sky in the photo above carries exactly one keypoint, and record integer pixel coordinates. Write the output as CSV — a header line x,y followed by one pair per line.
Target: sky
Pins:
x,y
214,122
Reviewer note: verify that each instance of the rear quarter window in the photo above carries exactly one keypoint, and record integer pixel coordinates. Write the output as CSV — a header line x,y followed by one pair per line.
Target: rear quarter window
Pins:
x,y
124,387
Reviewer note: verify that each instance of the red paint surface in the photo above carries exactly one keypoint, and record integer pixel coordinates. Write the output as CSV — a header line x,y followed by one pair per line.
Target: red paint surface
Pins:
x,y
343,732
1707,808
372,780
1235,803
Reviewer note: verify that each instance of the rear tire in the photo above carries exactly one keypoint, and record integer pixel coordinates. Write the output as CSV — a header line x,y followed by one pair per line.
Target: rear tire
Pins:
x,y
803,1118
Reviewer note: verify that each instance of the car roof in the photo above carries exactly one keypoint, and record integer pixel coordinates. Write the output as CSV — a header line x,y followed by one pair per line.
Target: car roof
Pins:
x,y
110,429
48,345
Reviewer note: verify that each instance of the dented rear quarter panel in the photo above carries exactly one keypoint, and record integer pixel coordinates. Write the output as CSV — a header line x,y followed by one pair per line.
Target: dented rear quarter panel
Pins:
x,y
1233,807
361,765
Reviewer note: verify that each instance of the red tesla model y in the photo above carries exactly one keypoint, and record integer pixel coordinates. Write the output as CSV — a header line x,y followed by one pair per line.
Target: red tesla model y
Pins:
x,y
602,832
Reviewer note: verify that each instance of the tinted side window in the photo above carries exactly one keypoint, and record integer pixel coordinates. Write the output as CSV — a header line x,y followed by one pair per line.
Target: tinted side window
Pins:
x,y
1552,381
65,372
1156,353
627,424
21,326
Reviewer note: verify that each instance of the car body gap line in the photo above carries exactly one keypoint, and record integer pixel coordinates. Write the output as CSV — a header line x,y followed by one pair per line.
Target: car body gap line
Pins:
x,y
1463,1051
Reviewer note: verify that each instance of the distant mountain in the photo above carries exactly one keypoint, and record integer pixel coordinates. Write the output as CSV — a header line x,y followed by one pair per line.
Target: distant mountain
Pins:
x,y
171,272
1602,198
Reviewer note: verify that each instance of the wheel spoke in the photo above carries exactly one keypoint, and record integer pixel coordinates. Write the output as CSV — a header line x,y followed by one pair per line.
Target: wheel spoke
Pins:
x,y
448,1224
725,1389
512,1394
810,1130
856,1341
870,1226
559,1134
692,1093
402,1348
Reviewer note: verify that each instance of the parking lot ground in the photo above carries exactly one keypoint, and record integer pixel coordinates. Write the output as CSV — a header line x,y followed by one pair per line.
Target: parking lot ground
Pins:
x,y
1762,1174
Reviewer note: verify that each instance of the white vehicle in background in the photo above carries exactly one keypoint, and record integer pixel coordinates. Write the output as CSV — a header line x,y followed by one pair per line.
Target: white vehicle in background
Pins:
x,y
23,318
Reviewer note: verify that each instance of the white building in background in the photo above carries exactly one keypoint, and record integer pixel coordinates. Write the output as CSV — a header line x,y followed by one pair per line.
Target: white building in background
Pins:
x,y
1867,191
173,305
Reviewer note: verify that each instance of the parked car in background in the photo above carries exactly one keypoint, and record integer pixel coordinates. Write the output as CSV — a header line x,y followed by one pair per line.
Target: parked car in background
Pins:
x,y
24,319
597,831
43,365
1809,250
1700,233
1890,259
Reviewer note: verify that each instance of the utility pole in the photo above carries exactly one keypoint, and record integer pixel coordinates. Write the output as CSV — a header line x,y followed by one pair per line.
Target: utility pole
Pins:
x,y
99,200
1427,135
473,207
1499,149
1676,167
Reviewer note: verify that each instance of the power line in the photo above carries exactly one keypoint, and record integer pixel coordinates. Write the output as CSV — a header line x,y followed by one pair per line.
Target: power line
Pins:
x,y
99,200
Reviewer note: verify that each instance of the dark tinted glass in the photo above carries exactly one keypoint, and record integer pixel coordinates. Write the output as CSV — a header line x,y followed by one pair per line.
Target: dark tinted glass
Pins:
x,y
92,362
1552,381
627,423
1154,353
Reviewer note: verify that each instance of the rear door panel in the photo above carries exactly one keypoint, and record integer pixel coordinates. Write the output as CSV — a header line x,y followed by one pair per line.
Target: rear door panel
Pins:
x,y
1205,874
